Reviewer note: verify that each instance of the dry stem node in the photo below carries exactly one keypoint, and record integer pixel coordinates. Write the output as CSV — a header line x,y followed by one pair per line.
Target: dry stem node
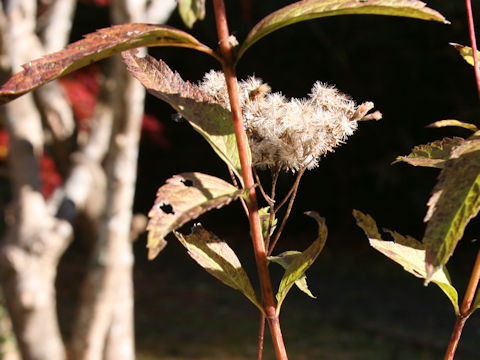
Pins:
x,y
290,133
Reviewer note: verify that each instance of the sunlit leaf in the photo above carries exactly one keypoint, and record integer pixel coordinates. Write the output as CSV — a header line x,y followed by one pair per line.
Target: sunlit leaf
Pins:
x,y
434,154
465,52
183,198
311,9
453,122
455,200
207,117
191,10
264,214
285,259
302,261
215,256
408,252
94,47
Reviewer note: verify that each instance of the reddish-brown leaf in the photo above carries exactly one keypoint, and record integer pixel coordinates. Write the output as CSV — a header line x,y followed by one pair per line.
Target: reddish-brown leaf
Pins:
x,y
94,47
183,198
206,116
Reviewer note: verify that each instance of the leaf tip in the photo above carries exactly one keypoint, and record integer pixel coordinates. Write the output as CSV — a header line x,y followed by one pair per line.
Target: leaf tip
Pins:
x,y
153,251
431,270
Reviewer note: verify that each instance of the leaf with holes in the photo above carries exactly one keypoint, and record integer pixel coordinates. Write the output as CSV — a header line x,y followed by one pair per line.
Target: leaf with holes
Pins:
x,y
94,47
207,117
465,52
453,122
191,10
312,9
406,251
284,260
434,154
454,202
215,256
302,261
183,198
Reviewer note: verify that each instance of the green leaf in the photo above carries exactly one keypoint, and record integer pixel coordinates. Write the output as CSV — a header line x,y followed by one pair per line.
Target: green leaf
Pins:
x,y
264,214
183,198
453,122
408,252
455,200
312,9
207,117
466,52
285,259
191,10
215,256
434,154
94,47
302,261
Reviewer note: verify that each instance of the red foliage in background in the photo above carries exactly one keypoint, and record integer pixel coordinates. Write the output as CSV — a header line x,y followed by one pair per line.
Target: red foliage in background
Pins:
x,y
4,145
153,130
82,89
101,3
49,176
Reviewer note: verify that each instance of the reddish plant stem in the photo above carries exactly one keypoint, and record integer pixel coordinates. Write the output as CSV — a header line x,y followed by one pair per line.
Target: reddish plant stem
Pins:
x,y
247,175
261,335
455,338
271,202
465,310
473,40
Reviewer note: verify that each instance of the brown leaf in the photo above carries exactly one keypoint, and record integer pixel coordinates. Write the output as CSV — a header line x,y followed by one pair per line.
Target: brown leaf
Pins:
x,y
183,198
207,117
160,80
94,47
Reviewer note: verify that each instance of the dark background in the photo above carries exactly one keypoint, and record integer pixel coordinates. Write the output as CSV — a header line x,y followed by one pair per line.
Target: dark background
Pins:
x,y
414,77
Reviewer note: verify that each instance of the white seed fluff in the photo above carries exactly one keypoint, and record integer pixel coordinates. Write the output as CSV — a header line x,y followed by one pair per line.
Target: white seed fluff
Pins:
x,y
289,133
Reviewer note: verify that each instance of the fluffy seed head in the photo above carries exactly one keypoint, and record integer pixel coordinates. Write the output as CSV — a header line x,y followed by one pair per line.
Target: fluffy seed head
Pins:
x,y
290,133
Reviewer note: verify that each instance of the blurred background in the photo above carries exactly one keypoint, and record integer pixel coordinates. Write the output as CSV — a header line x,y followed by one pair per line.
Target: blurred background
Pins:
x,y
367,307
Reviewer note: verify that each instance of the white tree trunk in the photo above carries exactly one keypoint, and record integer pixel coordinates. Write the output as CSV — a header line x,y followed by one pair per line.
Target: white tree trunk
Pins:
x,y
105,327
35,240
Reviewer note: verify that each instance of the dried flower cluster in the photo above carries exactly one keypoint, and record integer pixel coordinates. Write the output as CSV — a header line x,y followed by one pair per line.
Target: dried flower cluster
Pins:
x,y
290,134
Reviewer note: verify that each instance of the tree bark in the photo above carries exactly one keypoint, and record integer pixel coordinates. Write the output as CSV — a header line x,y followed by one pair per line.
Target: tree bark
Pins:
x,y
105,326
39,230
34,240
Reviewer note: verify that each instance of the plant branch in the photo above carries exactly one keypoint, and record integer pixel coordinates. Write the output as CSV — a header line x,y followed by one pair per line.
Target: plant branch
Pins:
x,y
242,144
285,199
465,310
260,187
293,193
235,183
471,29
272,206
